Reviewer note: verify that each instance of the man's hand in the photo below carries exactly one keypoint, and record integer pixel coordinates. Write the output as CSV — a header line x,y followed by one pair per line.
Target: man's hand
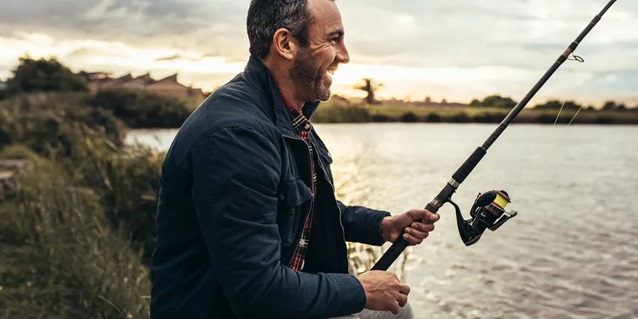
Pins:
x,y
384,291
417,224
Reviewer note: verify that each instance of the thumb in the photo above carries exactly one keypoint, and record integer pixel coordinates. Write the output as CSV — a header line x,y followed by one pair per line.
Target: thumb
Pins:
x,y
417,214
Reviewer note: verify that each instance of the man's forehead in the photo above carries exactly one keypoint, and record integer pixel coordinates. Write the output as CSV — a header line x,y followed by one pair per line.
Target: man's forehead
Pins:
x,y
324,9
327,16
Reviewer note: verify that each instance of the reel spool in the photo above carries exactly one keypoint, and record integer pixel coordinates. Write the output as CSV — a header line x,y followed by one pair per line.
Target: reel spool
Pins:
x,y
487,212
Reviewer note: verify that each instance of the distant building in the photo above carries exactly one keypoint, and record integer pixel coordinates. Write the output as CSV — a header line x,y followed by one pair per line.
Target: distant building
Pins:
x,y
168,86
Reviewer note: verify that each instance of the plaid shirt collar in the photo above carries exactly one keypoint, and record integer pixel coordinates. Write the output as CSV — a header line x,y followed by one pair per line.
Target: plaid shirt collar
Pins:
x,y
299,121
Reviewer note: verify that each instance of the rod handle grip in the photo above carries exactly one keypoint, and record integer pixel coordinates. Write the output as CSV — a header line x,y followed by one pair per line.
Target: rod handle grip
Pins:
x,y
391,255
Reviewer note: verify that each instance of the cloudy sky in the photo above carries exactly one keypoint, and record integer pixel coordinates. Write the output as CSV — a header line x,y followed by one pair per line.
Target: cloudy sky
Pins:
x,y
453,49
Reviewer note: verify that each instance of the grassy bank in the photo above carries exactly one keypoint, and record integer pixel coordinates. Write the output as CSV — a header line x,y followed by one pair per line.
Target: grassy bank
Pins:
x,y
76,235
60,258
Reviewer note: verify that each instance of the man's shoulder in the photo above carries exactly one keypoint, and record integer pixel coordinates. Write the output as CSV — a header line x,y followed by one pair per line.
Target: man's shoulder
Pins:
x,y
224,111
236,105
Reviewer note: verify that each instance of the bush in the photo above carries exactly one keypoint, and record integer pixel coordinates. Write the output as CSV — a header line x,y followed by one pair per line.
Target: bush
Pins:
x,y
409,117
55,123
604,120
380,118
548,119
460,117
140,109
43,76
433,118
59,133
489,117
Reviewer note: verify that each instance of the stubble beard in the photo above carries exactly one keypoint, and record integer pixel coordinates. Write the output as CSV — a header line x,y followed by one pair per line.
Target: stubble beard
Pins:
x,y
308,76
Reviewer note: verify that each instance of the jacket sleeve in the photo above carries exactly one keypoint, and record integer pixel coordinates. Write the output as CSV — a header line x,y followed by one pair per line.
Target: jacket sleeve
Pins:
x,y
236,176
362,224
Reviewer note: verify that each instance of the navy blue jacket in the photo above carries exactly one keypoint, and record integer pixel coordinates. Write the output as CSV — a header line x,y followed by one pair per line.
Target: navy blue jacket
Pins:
x,y
233,197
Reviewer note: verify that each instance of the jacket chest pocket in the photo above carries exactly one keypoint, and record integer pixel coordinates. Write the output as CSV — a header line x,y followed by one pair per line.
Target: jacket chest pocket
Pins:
x,y
326,159
293,200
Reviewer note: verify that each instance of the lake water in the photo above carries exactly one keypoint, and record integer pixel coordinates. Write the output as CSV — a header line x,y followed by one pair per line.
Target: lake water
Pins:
x,y
572,252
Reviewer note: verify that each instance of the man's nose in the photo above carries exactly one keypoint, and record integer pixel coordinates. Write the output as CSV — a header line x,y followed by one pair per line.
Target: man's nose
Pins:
x,y
342,54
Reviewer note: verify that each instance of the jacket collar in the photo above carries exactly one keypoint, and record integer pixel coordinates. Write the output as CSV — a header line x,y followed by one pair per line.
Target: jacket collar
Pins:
x,y
259,75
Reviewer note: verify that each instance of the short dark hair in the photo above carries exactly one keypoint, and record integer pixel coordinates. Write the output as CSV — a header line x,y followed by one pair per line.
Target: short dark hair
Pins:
x,y
265,17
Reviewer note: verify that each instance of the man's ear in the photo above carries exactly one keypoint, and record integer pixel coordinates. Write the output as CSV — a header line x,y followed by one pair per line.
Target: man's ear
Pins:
x,y
284,44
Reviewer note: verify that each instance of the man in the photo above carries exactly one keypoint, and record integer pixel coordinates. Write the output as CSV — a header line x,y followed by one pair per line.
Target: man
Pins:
x,y
248,224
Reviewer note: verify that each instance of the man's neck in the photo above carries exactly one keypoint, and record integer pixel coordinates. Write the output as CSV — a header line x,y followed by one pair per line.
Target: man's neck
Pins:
x,y
289,98
285,84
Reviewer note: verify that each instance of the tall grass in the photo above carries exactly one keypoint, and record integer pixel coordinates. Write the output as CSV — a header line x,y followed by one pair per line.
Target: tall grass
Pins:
x,y
73,240
60,258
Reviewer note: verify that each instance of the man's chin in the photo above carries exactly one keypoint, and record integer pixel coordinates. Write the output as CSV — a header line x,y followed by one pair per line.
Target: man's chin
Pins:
x,y
322,99
321,93
325,95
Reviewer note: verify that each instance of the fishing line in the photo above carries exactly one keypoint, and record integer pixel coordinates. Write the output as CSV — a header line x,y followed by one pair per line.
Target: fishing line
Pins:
x,y
576,58
570,122
561,109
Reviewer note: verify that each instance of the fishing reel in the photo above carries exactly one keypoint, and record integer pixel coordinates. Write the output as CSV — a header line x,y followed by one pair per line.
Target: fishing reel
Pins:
x,y
488,212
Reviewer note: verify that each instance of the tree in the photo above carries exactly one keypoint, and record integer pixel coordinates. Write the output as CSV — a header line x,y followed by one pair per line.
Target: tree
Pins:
x,y
609,105
43,76
556,105
499,101
495,101
139,109
370,87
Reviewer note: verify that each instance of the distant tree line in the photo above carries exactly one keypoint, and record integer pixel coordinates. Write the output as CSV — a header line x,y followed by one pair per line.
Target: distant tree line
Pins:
x,y
507,102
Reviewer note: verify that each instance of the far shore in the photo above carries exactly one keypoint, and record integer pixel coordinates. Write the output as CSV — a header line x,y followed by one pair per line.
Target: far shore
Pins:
x,y
341,111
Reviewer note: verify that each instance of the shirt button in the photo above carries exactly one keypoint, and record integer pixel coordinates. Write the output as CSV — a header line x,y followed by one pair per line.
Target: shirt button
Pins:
x,y
307,126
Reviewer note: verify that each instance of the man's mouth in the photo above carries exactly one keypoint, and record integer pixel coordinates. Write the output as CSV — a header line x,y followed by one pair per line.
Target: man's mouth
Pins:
x,y
331,72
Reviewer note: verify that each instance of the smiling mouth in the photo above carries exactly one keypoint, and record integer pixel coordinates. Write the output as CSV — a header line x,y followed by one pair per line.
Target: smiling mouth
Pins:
x,y
331,72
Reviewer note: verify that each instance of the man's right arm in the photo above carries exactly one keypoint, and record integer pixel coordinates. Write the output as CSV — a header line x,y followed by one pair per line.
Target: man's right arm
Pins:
x,y
236,176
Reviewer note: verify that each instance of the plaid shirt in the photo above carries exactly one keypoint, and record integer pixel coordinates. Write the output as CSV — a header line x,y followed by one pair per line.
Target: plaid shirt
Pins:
x,y
302,126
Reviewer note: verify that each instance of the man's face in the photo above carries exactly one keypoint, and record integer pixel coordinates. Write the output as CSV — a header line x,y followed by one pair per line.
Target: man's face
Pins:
x,y
314,63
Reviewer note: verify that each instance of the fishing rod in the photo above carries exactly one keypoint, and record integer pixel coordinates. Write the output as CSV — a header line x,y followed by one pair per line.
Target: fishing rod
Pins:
x,y
488,210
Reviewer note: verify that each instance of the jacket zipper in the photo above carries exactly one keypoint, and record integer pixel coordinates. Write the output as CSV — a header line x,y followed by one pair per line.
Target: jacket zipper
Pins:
x,y
325,174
